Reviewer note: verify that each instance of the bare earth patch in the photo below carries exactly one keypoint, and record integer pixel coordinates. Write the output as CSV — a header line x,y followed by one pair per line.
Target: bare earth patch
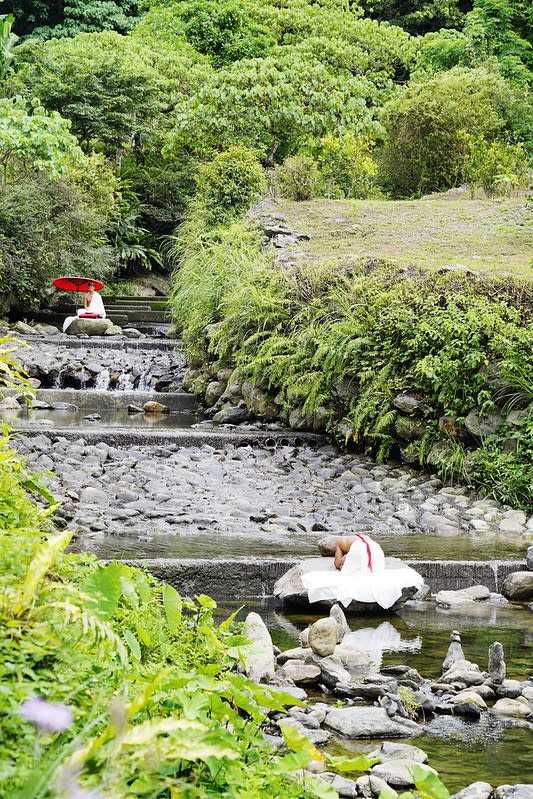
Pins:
x,y
481,234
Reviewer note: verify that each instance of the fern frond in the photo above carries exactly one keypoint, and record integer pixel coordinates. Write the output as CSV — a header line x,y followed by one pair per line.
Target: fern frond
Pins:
x,y
45,555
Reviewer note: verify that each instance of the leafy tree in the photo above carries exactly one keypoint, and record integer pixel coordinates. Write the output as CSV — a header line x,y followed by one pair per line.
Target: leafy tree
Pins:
x,y
34,141
430,123
111,87
420,16
271,104
58,18
229,185
8,45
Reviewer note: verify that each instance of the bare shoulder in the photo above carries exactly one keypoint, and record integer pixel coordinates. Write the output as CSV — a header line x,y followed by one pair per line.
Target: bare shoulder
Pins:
x,y
345,542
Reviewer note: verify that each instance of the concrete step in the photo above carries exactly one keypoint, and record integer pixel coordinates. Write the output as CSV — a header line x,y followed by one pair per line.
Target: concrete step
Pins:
x,y
94,399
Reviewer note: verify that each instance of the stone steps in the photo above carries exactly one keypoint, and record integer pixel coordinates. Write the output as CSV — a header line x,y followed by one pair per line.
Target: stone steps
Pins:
x,y
94,399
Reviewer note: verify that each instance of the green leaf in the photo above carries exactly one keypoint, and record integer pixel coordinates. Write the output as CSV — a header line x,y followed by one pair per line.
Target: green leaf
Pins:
x,y
173,607
319,788
359,763
206,602
300,743
429,783
103,589
133,644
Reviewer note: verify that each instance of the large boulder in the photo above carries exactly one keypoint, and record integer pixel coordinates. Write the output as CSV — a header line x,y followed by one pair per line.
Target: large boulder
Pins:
x,y
260,662
369,722
323,636
291,591
89,327
478,790
518,586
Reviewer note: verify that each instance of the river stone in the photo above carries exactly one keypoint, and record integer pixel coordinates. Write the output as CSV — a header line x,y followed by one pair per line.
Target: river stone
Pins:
x,y
25,329
300,673
323,636
468,696
520,791
509,689
455,651
89,327
463,671
529,558
518,586
478,790
369,722
337,614
155,407
213,392
496,666
347,789
399,772
371,786
331,669
512,708
132,332
357,662
398,751
9,404
475,593
93,496
260,663
113,330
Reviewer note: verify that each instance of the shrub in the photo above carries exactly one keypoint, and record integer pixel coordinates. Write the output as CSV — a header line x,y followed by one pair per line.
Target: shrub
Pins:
x,y
497,167
297,178
47,228
346,166
430,124
229,185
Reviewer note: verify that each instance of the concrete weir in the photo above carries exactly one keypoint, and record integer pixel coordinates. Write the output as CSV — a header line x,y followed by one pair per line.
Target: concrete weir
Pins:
x,y
119,437
255,577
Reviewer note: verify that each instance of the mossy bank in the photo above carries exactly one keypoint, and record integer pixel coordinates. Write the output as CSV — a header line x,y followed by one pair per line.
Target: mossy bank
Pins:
x,y
430,367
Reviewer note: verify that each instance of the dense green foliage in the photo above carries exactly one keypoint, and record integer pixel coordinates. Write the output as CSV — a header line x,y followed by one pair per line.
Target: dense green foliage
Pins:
x,y
369,98
344,344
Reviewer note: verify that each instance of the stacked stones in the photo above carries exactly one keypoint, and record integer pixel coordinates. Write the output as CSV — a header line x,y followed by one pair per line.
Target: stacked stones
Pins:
x,y
373,706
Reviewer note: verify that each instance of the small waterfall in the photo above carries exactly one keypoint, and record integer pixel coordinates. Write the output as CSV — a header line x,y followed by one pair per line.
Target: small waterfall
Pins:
x,y
102,380
145,381
58,382
125,382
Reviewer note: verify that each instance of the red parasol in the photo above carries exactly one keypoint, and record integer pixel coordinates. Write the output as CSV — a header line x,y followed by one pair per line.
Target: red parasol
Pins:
x,y
77,283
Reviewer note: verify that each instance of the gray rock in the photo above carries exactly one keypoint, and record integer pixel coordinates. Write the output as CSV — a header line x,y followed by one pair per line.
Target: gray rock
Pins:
x,y
113,330
9,404
300,673
475,593
317,737
399,772
260,664
478,790
483,425
496,667
509,689
512,708
93,496
398,751
408,404
323,636
344,787
371,787
463,671
89,327
520,791
369,722
455,651
331,670
529,558
25,329
337,614
132,332
213,392
518,586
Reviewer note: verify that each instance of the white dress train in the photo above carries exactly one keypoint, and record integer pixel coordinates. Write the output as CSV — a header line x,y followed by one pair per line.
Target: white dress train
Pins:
x,y
363,577
96,306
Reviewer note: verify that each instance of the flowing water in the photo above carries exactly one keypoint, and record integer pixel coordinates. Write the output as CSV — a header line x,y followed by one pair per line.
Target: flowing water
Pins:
x,y
492,750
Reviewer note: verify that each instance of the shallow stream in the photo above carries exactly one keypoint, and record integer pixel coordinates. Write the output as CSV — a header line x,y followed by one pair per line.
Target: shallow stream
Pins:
x,y
492,750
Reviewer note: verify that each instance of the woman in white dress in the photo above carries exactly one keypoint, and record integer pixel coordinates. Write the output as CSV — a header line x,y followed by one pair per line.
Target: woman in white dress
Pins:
x,y
361,575
93,308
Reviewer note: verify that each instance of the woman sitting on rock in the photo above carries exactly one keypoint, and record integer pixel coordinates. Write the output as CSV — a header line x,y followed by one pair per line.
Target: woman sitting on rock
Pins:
x,y
93,308
361,575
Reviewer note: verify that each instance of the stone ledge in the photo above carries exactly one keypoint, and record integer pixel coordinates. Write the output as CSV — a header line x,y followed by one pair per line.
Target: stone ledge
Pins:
x,y
240,578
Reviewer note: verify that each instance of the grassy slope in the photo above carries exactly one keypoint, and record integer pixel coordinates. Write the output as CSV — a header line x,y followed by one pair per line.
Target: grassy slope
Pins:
x,y
480,234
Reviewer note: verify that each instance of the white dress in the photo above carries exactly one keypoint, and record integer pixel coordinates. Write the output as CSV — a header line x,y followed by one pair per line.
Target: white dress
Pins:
x,y
96,306
363,577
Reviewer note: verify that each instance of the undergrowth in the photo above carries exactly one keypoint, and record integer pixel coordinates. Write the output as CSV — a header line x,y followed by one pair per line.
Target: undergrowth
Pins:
x,y
348,341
